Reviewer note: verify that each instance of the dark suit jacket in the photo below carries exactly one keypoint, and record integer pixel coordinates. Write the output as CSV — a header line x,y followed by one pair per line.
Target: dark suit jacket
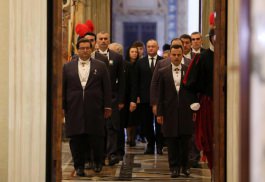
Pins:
x,y
101,57
84,111
154,83
128,117
173,105
117,77
144,77
192,54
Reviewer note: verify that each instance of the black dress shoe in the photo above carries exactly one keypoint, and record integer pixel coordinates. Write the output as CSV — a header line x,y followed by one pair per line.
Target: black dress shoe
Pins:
x,y
149,151
175,173
97,168
159,151
120,157
186,172
132,144
89,165
80,172
142,139
196,165
113,160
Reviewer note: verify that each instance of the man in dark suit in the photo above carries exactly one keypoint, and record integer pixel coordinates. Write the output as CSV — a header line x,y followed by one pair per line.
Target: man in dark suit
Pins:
x,y
196,44
154,83
200,80
86,102
174,112
144,72
117,77
95,55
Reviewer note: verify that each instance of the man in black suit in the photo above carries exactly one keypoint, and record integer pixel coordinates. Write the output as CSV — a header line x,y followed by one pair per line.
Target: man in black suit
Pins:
x,y
174,112
144,72
86,102
196,44
117,77
95,55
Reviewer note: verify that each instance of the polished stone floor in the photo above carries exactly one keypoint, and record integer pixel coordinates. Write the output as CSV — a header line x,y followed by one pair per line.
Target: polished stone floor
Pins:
x,y
135,167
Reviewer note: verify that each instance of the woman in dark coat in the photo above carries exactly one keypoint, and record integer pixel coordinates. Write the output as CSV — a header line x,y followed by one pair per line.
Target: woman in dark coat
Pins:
x,y
130,112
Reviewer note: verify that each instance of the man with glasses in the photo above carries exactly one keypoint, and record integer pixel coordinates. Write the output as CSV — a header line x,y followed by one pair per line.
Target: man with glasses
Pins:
x,y
86,99
95,55
196,43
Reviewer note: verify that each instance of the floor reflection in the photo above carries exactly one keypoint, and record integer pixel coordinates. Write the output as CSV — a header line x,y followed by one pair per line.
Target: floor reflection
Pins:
x,y
135,167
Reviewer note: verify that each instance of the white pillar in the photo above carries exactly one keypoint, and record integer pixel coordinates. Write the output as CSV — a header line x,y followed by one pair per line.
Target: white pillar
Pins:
x,y
257,89
4,52
27,90
233,75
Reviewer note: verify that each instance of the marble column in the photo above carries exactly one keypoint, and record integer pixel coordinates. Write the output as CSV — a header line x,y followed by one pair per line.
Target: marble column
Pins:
x,y
257,90
4,51
27,90
233,91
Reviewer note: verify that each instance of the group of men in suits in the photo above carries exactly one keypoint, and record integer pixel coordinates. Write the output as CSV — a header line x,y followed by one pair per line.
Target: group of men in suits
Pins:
x,y
93,95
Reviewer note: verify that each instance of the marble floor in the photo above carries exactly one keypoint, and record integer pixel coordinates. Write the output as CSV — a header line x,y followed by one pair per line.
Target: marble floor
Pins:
x,y
135,167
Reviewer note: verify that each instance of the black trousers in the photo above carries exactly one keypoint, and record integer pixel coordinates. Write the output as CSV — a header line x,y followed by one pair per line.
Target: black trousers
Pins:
x,y
112,132
152,130
79,146
178,151
194,155
121,136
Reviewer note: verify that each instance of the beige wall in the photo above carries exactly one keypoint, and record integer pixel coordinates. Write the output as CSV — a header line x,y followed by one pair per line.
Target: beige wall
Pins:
x,y
233,91
4,17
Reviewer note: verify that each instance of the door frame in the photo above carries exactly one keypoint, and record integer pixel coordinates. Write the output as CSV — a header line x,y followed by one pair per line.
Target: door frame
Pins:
x,y
54,87
220,57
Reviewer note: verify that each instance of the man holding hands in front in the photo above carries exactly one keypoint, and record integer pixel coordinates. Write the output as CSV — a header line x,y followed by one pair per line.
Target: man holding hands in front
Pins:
x,y
174,112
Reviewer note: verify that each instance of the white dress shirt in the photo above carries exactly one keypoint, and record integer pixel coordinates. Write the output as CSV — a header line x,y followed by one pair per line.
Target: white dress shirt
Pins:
x,y
188,55
83,71
196,52
176,71
182,60
150,60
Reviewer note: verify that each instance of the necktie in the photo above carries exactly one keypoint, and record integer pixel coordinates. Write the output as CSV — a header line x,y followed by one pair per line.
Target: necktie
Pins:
x,y
177,70
84,63
152,64
177,82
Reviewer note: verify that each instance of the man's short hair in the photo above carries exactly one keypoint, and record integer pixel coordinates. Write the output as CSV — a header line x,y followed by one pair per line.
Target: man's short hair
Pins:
x,y
194,33
118,46
88,33
185,36
83,40
176,47
166,47
176,38
138,44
